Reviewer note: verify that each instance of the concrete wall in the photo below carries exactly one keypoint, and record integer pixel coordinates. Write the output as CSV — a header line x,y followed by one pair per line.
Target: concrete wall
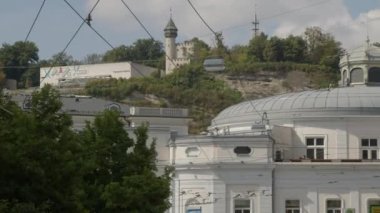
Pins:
x,y
314,184
61,74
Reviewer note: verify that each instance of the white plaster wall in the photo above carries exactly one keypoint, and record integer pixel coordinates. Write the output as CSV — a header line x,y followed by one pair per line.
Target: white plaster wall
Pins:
x,y
171,54
357,131
216,188
342,136
115,70
222,153
313,185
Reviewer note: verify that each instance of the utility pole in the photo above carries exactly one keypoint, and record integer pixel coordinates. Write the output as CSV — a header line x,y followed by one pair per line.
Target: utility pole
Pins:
x,y
255,26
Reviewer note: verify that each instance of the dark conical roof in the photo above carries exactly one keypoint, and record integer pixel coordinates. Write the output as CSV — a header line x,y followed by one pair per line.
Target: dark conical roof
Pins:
x,y
170,29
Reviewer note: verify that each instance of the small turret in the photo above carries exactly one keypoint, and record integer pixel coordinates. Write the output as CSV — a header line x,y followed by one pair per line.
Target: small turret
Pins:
x,y
170,29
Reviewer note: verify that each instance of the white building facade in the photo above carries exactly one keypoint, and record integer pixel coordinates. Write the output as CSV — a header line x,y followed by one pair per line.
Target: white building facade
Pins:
x,y
78,75
306,152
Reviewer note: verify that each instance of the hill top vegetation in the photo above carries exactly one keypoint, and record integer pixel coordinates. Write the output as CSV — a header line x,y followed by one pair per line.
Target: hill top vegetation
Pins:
x,y
315,53
191,87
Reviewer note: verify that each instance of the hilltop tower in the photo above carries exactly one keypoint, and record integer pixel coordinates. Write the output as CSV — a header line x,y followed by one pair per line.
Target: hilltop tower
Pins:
x,y
170,46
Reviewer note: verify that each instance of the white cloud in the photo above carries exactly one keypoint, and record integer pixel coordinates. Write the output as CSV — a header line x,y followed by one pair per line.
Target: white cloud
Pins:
x,y
235,16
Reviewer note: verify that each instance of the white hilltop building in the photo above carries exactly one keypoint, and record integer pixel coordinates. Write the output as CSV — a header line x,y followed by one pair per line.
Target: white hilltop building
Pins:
x,y
306,152
176,54
78,75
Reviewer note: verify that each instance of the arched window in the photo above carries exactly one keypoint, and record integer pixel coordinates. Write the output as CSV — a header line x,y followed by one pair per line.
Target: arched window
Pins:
x,y
357,75
374,75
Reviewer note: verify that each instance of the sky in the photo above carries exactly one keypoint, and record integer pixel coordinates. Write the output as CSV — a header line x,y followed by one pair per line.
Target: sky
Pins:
x,y
349,21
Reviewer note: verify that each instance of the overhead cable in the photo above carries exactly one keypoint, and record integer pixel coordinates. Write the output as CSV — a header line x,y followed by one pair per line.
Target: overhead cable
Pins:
x,y
34,21
147,31
203,20
68,44
89,25
138,20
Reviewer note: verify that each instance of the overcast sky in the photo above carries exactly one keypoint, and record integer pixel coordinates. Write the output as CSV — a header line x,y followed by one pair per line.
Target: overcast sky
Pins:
x,y
348,20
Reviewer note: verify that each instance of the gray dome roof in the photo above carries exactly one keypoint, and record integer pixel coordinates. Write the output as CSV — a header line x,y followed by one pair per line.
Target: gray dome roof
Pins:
x,y
364,53
344,101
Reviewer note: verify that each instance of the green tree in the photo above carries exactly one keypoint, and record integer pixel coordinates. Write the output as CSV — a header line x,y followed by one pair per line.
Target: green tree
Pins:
x,y
239,54
322,47
220,50
62,59
274,50
201,50
18,58
256,47
2,78
294,49
146,50
118,54
40,167
93,58
121,172
141,190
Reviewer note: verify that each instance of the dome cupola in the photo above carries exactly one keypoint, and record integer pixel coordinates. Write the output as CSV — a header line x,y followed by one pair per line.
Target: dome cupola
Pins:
x,y
361,66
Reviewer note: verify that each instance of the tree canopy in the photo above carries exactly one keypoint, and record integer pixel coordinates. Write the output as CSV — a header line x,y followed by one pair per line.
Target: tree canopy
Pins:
x,y
48,167
148,51
18,59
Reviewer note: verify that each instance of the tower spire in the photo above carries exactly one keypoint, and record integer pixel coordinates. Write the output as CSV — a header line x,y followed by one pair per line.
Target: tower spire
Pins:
x,y
255,24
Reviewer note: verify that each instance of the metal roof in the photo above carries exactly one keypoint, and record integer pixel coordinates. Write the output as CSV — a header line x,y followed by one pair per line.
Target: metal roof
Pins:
x,y
344,101
366,52
87,105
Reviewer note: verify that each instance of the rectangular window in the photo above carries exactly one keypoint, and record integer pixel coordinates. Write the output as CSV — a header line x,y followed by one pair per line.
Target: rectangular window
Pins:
x,y
373,205
194,211
242,206
369,149
315,147
292,206
333,206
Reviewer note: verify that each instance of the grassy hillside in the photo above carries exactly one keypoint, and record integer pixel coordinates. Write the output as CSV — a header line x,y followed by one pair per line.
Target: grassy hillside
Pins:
x,y
206,94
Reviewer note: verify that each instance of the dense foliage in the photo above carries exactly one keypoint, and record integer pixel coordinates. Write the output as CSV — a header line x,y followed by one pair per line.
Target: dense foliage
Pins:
x,y
315,47
20,60
144,51
48,167
188,87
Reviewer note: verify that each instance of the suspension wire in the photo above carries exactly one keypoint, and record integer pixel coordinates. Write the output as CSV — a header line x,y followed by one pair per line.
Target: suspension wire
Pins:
x,y
35,20
63,51
102,37
217,37
271,16
202,19
137,19
147,31
68,44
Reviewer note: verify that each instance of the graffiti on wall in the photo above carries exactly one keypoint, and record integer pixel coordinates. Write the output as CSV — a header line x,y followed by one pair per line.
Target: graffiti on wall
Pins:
x,y
64,72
